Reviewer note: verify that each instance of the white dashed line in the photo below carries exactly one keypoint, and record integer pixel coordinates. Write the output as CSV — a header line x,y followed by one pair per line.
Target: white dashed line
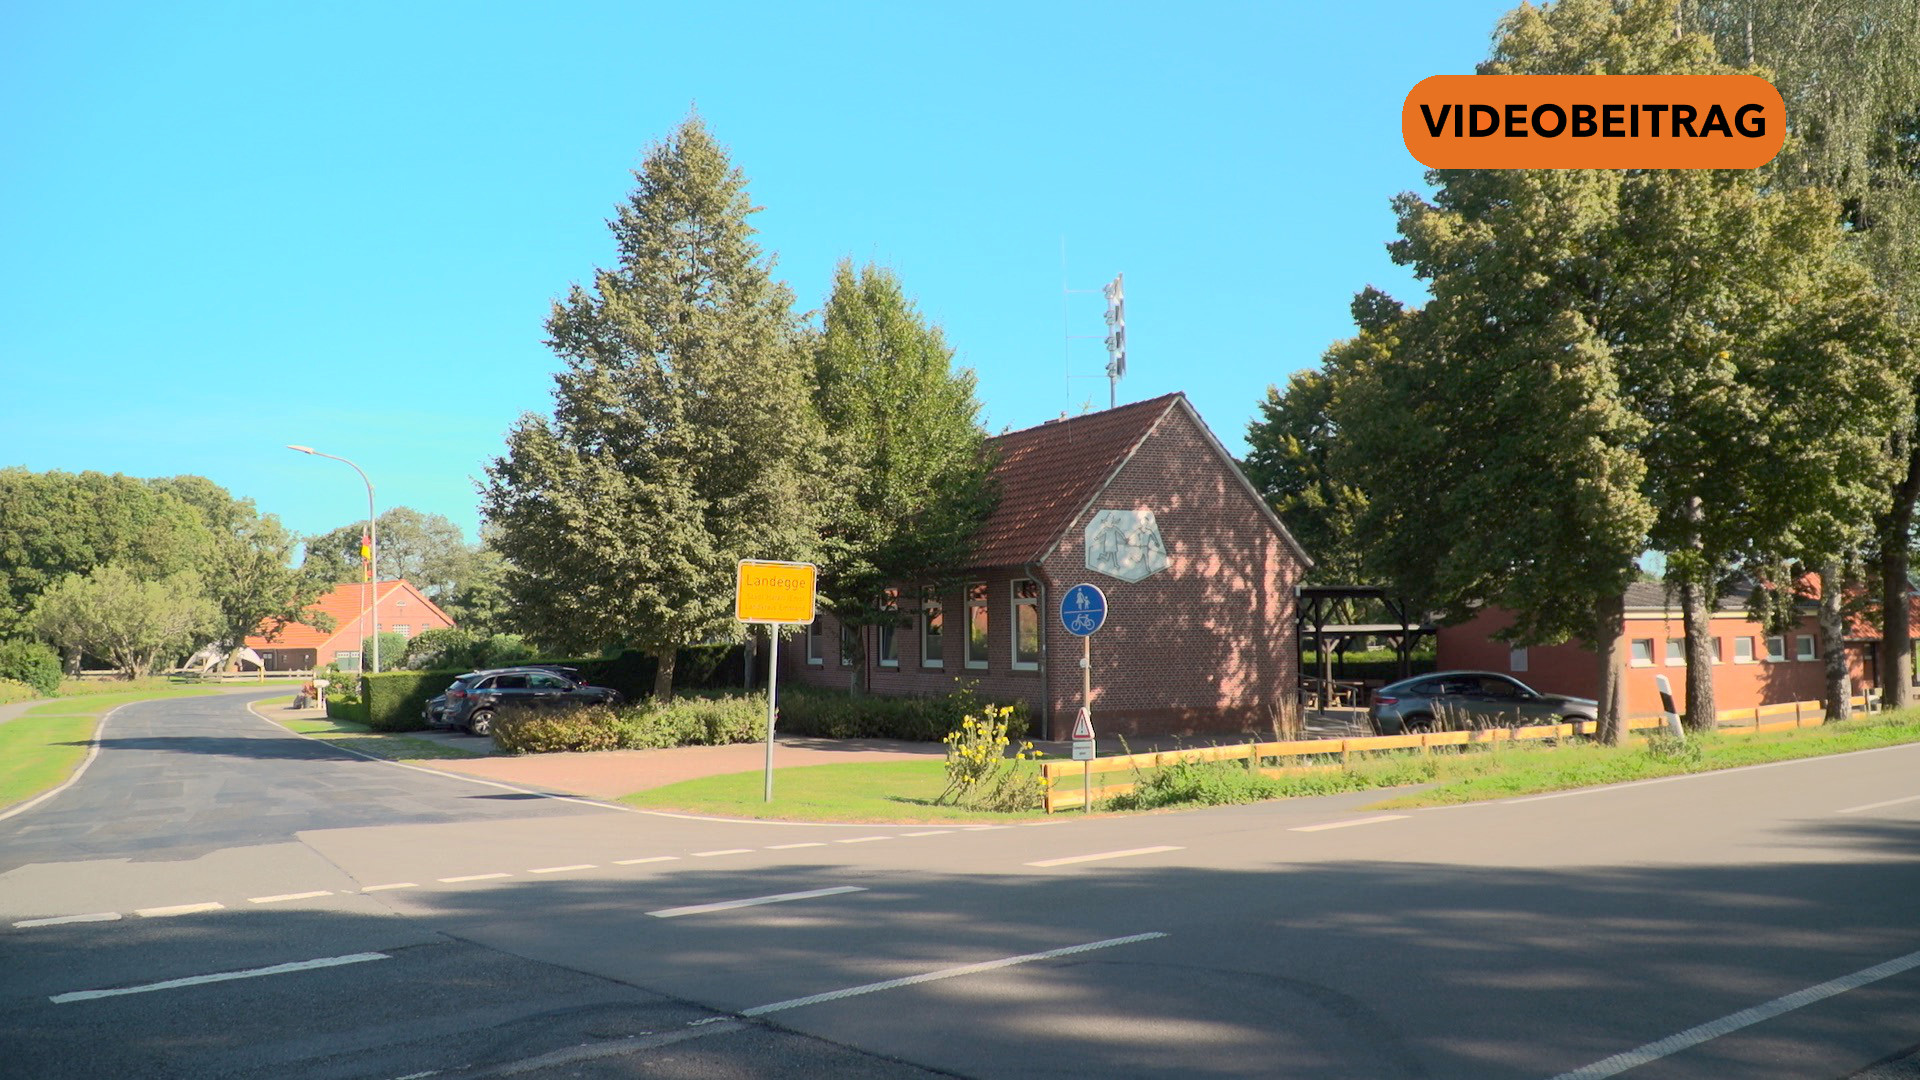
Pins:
x,y
62,920
729,905
1877,805
863,839
648,859
178,909
1349,823
224,976
1104,855
392,885
288,896
723,851
931,832
473,877
790,847
1733,1022
562,869
947,973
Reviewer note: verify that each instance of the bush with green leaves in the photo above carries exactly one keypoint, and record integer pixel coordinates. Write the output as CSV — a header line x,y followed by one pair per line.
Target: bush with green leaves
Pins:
x,y
32,663
979,773
519,730
832,714
685,721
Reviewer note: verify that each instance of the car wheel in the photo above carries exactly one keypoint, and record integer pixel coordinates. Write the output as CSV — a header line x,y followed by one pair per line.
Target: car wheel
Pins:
x,y
480,723
1415,725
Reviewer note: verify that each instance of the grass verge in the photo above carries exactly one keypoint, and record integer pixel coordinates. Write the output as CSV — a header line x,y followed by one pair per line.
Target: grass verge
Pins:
x,y
352,736
894,792
41,747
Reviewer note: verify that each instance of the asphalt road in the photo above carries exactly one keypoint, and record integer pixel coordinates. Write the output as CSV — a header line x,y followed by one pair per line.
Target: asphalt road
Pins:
x,y
216,898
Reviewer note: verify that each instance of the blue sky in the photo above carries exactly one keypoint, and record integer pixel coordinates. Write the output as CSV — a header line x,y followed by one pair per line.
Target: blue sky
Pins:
x,y
229,227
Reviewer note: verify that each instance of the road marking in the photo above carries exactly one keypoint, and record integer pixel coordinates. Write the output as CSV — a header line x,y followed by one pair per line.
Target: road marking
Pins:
x,y
178,909
1877,805
473,877
1104,855
393,885
728,905
224,976
61,920
562,869
930,832
863,839
1732,1022
1348,823
723,851
947,973
648,859
790,847
288,896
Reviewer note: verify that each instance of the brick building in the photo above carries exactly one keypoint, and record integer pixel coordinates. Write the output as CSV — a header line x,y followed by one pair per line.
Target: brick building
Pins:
x,y
1199,576
401,609
1752,667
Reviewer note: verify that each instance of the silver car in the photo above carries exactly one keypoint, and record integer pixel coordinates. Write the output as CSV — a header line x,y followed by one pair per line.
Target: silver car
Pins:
x,y
1449,700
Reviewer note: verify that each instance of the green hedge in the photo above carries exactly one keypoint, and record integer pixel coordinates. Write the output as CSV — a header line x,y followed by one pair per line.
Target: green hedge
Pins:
x,y
694,721
32,663
834,714
1386,671
396,700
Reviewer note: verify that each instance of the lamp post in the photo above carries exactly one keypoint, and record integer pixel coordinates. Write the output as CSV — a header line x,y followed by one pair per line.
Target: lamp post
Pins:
x,y
371,611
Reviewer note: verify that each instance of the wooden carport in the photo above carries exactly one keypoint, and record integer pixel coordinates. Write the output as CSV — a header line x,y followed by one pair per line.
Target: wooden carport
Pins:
x,y
1319,604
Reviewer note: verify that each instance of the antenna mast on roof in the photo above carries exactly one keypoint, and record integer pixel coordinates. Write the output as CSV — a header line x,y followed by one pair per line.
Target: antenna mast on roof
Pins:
x,y
1116,339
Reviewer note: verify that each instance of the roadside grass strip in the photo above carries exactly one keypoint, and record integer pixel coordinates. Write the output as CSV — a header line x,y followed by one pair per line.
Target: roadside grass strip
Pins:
x,y
945,973
223,976
894,792
38,752
1745,1018
387,746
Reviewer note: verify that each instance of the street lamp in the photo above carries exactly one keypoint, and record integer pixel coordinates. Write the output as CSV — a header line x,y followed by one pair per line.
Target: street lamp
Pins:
x,y
369,611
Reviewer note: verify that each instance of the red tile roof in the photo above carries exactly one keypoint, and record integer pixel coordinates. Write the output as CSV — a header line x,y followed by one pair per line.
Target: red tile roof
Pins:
x,y
346,605
1047,474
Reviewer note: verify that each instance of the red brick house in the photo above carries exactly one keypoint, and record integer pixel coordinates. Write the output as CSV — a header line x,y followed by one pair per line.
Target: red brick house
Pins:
x,y
402,609
1199,576
1752,667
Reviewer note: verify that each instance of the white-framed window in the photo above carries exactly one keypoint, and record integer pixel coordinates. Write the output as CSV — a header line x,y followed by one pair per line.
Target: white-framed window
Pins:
x,y
1806,649
848,638
1517,659
1743,650
348,661
1676,652
1714,656
977,627
1643,652
1026,624
403,629
814,633
1776,649
933,652
889,634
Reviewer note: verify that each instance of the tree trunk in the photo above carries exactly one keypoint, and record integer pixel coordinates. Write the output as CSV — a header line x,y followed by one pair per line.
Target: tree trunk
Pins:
x,y
854,648
1839,695
1607,640
1896,535
70,659
1702,711
666,657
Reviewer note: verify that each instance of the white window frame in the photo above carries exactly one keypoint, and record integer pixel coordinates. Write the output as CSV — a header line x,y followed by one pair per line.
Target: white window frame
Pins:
x,y
1517,658
846,654
1676,652
340,658
931,612
1779,655
1015,603
984,605
1633,652
405,630
1746,640
815,631
1806,647
1716,650
887,635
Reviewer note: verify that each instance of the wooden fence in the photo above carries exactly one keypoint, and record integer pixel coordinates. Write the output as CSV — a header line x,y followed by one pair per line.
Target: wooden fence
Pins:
x,y
1064,778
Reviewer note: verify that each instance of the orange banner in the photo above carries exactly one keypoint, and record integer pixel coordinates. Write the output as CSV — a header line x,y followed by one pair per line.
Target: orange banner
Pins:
x,y
1593,122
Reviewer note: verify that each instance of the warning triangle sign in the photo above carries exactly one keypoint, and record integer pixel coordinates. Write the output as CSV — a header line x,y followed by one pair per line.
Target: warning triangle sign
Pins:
x,y
1083,725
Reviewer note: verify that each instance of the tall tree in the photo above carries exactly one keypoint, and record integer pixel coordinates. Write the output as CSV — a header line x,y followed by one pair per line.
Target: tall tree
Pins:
x,y
904,432
113,614
1289,449
683,437
247,566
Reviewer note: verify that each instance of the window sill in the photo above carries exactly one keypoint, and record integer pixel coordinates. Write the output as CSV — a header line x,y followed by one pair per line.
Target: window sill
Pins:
x,y
976,665
1026,667
937,665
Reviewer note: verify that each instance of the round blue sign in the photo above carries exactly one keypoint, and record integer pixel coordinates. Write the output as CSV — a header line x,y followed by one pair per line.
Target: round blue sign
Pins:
x,y
1083,609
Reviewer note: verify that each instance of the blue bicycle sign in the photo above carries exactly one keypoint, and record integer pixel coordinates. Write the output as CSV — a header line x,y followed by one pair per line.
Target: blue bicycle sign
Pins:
x,y
1083,609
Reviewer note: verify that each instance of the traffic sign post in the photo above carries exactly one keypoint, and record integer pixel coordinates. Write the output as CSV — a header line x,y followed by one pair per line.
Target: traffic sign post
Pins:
x,y
1083,610
779,594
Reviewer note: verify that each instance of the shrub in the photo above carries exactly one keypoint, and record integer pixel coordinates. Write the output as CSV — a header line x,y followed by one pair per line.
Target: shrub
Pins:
x,y
979,773
688,721
1208,783
550,731
32,663
836,715
395,700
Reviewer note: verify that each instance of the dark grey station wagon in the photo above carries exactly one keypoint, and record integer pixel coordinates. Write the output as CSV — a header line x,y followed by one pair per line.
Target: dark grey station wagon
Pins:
x,y
1476,699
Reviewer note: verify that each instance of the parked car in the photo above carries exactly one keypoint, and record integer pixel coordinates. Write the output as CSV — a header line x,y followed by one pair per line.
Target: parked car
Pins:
x,y
1446,699
474,697
435,711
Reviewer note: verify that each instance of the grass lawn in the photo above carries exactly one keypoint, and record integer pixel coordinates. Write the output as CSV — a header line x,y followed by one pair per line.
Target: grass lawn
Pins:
x,y
891,791
380,744
40,748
